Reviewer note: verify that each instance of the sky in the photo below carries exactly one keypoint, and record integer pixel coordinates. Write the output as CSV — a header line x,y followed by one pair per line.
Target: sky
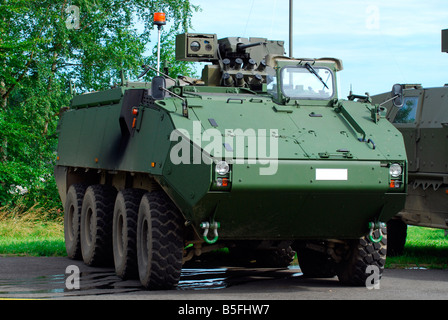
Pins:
x,y
381,42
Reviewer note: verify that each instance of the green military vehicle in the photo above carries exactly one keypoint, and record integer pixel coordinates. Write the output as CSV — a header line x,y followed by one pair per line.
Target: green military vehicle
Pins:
x,y
423,121
259,155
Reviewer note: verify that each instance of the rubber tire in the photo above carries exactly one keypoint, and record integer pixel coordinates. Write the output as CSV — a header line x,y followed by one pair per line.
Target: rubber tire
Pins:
x,y
72,220
396,237
96,225
159,242
363,253
124,232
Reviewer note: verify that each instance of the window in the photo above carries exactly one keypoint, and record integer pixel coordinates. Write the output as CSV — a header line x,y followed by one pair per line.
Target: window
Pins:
x,y
303,83
272,85
408,112
271,81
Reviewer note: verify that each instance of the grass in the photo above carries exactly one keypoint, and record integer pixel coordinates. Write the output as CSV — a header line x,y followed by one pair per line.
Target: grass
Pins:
x,y
425,247
31,232
35,232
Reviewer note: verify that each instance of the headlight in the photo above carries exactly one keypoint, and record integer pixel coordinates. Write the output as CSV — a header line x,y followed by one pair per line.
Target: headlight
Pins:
x,y
395,170
222,168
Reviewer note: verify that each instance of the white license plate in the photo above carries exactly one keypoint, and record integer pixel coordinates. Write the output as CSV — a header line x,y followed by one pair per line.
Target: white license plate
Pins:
x,y
331,174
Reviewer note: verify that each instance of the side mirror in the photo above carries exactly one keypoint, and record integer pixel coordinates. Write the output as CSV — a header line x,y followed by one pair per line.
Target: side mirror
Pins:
x,y
156,84
397,95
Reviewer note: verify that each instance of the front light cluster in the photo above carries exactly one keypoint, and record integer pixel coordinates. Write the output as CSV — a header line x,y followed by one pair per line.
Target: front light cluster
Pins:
x,y
222,176
396,175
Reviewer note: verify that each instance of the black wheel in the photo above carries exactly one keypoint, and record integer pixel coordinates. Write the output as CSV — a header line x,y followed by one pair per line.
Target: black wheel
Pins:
x,y
396,237
159,241
361,254
124,236
72,220
314,264
96,225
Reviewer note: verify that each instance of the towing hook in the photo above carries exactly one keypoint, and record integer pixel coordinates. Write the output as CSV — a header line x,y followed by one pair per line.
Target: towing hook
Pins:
x,y
207,226
376,226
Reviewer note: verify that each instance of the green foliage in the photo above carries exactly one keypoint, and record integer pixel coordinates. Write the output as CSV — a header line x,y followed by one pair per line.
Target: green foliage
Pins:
x,y
41,53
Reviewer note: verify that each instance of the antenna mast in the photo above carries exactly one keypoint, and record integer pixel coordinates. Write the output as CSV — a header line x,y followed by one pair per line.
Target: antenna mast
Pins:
x,y
159,21
290,29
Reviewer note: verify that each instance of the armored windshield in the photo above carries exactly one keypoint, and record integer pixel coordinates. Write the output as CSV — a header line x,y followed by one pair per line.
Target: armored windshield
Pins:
x,y
408,112
299,82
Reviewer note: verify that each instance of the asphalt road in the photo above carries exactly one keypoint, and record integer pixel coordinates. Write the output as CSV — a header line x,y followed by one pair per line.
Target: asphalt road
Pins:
x,y
55,278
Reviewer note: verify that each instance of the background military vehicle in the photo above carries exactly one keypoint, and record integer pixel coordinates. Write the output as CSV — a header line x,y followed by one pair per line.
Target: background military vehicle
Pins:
x,y
258,155
423,121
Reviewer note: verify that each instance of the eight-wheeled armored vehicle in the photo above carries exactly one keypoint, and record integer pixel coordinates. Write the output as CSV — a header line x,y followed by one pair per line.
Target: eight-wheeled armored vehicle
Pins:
x,y
259,155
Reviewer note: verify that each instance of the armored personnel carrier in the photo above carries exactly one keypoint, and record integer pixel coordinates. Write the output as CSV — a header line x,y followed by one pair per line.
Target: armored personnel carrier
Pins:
x,y
423,121
259,155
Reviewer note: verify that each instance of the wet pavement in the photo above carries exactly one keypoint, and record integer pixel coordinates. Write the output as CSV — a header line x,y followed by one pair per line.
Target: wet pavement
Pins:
x,y
58,278
50,278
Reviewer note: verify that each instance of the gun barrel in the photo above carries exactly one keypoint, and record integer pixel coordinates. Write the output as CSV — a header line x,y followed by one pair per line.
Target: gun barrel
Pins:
x,y
241,47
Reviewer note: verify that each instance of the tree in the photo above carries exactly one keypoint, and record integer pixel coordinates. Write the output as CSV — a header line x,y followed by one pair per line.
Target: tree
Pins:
x,y
46,45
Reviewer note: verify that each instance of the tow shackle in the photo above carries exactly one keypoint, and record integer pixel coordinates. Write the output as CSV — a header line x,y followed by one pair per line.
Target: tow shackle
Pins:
x,y
207,226
376,226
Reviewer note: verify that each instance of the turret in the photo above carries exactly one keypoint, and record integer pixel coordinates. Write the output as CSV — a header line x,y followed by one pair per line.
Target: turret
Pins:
x,y
236,61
